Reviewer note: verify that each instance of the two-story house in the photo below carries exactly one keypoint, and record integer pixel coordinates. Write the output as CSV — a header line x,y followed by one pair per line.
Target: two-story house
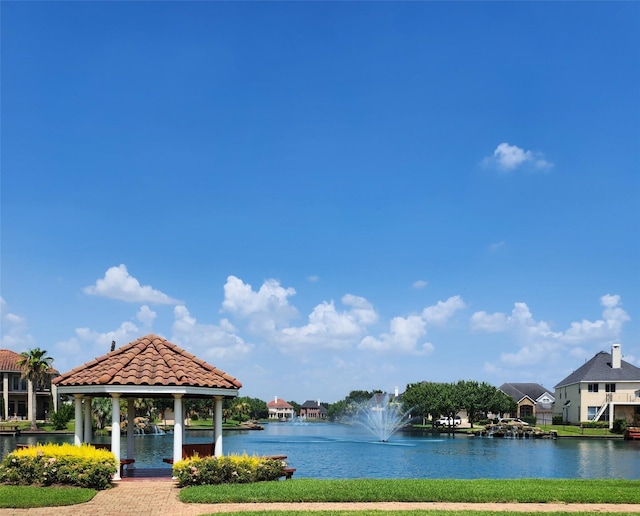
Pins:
x,y
17,395
605,388
312,409
532,399
280,410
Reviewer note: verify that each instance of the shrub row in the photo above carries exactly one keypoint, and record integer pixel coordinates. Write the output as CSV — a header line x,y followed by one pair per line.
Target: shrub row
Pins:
x,y
594,424
230,469
65,464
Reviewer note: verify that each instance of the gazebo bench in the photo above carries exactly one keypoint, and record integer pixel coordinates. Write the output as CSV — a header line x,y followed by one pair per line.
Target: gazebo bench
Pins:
x,y
189,450
123,462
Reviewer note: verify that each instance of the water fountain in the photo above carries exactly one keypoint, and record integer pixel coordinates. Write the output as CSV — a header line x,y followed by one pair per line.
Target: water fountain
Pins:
x,y
383,415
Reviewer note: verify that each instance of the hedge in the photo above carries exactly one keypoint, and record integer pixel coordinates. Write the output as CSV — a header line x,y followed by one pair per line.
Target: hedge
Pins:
x,y
229,469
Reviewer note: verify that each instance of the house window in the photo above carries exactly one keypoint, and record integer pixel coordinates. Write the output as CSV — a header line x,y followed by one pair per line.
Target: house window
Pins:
x,y
592,387
591,412
18,383
610,387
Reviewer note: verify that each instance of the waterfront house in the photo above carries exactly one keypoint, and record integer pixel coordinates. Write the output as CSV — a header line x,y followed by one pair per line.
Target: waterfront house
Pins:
x,y
312,409
280,410
532,399
17,397
605,388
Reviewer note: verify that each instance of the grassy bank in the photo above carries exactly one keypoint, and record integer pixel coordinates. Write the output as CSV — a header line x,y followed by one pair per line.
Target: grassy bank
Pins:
x,y
410,490
30,496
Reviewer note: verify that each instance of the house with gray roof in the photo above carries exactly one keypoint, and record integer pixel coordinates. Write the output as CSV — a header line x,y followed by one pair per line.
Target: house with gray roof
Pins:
x,y
532,399
605,388
312,409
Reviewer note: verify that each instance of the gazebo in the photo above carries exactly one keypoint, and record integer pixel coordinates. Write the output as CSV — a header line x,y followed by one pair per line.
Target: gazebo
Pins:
x,y
149,367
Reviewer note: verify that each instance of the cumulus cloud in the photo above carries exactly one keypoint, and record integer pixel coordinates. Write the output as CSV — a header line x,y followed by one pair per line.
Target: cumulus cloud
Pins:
x,y
119,284
404,336
146,316
266,309
511,157
610,326
442,311
419,284
332,328
15,334
536,340
98,342
208,341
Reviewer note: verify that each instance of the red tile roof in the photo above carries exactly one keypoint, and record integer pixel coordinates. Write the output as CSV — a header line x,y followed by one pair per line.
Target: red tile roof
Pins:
x,y
149,360
279,404
9,360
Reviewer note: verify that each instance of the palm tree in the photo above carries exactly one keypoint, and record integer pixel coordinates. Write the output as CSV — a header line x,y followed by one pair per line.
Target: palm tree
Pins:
x,y
35,365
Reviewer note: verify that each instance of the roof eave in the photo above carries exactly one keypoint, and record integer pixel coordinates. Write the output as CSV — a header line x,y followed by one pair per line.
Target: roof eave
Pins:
x,y
146,391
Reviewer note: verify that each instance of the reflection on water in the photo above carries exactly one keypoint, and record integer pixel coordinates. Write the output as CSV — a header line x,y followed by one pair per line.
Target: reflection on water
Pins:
x,y
323,450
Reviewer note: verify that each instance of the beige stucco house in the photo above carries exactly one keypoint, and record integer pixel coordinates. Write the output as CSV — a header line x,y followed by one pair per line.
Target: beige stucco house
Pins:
x,y
605,388
17,394
280,410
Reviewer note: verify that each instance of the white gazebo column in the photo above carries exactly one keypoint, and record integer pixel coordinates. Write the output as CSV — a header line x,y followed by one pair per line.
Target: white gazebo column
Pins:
x,y
217,425
115,431
77,439
87,420
5,395
30,400
131,415
178,421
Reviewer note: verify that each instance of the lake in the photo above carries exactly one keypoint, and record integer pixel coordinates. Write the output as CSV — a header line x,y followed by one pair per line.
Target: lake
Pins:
x,y
327,450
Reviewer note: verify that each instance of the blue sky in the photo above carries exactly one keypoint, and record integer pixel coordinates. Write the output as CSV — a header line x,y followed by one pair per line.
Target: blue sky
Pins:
x,y
321,197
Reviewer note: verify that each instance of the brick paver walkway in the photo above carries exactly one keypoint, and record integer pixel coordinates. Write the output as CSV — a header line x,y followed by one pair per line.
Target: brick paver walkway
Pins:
x,y
158,498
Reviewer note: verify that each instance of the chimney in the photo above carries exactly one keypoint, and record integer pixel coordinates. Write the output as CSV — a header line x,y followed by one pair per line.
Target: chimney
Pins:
x,y
318,403
396,391
616,356
276,399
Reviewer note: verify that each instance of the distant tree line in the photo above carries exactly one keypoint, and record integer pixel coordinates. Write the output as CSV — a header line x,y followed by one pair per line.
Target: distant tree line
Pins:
x,y
430,400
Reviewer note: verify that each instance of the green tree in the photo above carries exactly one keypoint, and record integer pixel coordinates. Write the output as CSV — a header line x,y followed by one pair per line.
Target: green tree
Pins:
x,y
101,411
470,395
36,367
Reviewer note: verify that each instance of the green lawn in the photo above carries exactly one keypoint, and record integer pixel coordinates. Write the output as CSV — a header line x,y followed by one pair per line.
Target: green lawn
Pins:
x,y
30,496
408,490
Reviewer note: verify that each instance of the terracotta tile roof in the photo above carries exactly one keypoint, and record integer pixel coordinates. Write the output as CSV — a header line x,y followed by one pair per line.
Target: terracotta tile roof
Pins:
x,y
279,404
149,360
9,360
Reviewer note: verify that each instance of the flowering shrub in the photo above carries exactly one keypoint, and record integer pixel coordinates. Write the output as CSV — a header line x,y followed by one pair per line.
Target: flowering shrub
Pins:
x,y
48,464
230,469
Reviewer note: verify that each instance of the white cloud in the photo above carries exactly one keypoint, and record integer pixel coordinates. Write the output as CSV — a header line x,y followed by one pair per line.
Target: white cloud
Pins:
x,y
146,316
209,341
538,343
99,343
15,334
119,284
442,311
330,328
313,279
267,309
510,157
403,336
610,326
488,322
419,284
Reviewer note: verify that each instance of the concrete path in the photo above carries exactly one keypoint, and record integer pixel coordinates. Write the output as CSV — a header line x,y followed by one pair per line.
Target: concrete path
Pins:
x,y
158,498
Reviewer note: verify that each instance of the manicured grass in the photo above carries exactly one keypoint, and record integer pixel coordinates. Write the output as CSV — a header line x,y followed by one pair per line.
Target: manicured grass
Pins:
x,y
407,490
31,496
